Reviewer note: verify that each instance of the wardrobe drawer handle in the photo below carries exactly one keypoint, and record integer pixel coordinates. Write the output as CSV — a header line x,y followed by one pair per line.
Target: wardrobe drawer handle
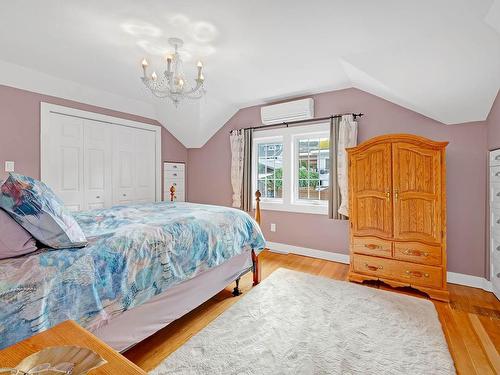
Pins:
x,y
415,252
372,246
98,197
373,268
497,174
498,248
498,194
124,195
497,157
417,273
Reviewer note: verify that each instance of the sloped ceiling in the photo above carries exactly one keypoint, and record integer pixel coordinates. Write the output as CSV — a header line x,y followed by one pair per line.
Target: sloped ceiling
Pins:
x,y
440,58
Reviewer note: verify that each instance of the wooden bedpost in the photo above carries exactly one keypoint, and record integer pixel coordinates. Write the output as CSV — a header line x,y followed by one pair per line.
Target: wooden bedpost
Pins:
x,y
255,258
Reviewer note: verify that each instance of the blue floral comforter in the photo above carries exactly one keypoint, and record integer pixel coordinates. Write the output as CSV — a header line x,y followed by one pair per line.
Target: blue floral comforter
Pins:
x,y
134,253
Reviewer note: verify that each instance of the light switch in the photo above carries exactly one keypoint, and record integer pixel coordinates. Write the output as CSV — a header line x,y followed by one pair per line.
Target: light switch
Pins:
x,y
9,166
273,227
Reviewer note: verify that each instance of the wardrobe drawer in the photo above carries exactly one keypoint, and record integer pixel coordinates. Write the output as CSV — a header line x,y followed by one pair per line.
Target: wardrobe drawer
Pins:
x,y
495,220
418,253
428,276
372,246
495,243
172,175
174,167
411,273
495,194
379,267
495,174
494,158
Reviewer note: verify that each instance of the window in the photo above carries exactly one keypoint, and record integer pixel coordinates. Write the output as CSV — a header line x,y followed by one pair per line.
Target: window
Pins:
x,y
312,163
292,168
270,169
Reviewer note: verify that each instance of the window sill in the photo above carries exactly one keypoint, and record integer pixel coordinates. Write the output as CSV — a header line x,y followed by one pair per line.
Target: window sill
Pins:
x,y
298,208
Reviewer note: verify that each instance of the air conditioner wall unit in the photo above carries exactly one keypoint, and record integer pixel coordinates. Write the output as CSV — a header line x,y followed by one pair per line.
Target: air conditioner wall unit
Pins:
x,y
296,110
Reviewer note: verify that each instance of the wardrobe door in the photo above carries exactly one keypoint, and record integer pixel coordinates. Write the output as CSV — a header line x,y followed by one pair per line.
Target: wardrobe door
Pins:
x,y
417,193
62,159
124,170
98,164
370,184
145,166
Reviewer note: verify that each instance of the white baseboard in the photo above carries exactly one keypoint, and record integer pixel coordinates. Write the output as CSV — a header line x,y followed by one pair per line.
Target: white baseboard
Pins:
x,y
320,254
453,277
469,280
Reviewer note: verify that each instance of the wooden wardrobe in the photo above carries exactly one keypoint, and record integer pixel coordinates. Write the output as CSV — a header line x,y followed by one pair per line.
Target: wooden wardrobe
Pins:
x,y
397,186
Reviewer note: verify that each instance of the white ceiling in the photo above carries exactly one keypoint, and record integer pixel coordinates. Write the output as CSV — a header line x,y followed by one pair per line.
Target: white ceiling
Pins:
x,y
440,58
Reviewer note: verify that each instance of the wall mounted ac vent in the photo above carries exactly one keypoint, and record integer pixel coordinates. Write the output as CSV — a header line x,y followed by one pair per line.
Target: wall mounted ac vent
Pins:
x,y
287,112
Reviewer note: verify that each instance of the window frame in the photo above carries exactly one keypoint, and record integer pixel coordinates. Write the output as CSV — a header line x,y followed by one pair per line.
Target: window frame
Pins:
x,y
255,166
288,137
295,164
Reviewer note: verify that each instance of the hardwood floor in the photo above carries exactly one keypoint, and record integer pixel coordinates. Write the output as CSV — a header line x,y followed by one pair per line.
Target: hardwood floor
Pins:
x,y
471,321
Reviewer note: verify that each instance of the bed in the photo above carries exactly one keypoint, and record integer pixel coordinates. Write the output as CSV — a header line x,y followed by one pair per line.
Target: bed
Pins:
x,y
145,266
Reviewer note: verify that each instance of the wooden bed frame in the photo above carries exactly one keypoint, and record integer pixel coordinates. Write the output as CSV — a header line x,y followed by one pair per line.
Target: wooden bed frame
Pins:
x,y
255,258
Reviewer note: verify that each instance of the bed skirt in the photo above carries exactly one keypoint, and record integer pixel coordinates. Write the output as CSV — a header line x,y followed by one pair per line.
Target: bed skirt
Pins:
x,y
133,326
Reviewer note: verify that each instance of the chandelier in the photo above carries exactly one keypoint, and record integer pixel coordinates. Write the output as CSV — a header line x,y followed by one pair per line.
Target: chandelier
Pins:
x,y
172,83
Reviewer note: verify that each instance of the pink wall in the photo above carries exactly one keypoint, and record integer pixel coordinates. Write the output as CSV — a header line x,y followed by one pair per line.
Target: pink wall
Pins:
x,y
494,125
209,176
20,129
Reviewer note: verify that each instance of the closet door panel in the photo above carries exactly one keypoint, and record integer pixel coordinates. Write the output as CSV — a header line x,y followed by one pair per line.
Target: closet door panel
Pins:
x,y
145,146
62,159
98,165
123,165
417,193
370,184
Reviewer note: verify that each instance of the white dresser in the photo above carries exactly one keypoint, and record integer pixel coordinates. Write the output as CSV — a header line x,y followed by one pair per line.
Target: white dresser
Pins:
x,y
495,221
174,175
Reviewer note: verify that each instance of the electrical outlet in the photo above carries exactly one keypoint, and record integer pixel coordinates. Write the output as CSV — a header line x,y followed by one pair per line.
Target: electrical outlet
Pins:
x,y
273,227
9,166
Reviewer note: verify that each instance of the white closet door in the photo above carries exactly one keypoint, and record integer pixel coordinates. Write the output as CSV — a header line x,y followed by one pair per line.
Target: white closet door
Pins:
x,y
62,159
134,165
98,164
145,169
124,171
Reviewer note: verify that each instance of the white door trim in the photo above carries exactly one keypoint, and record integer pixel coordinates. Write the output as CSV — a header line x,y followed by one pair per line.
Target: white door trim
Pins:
x,y
47,108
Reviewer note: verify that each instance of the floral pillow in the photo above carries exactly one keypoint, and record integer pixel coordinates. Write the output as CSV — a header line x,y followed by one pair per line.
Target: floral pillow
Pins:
x,y
38,210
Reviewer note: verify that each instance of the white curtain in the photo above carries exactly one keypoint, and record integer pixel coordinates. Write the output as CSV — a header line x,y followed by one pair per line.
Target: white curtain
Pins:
x,y
237,155
348,137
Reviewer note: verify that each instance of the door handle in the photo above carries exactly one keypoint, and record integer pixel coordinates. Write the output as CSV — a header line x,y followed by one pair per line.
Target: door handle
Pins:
x,y
388,195
396,194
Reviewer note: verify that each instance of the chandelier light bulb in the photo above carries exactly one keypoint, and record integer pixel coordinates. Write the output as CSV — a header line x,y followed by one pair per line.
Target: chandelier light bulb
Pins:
x,y
144,63
154,76
200,64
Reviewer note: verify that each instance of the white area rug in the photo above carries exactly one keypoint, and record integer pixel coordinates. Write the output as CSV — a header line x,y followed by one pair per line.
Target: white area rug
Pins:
x,y
295,323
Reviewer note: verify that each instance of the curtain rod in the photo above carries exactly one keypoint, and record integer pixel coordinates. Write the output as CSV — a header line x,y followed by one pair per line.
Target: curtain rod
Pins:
x,y
291,123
